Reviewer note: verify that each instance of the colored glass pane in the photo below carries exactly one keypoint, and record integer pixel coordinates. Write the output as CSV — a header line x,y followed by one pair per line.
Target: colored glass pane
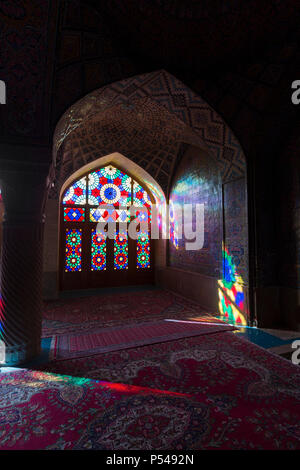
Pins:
x,y
109,186
143,251
98,251
121,250
74,214
143,215
76,194
73,250
113,192
140,196
109,214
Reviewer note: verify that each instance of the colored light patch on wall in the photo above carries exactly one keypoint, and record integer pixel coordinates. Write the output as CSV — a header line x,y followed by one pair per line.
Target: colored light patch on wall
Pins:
x,y
121,251
235,294
196,181
229,312
73,250
173,236
173,226
109,186
74,214
76,194
109,215
143,251
232,305
98,251
229,270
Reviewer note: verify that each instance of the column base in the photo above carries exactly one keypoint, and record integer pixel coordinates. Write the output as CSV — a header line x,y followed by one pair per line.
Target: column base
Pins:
x,y
18,354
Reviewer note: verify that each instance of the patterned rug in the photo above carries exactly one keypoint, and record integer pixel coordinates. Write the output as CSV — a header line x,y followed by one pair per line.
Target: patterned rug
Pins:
x,y
208,392
87,313
182,366
130,336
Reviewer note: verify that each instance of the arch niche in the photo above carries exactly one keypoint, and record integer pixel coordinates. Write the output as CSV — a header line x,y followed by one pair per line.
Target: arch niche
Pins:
x,y
97,206
154,119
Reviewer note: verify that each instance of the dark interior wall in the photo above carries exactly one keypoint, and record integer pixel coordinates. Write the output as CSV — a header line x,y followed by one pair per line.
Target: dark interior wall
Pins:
x,y
197,181
288,244
1,221
86,56
24,66
289,186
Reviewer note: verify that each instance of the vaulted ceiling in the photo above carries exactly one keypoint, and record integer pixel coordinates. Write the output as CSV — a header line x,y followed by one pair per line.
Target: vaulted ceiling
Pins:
x,y
239,56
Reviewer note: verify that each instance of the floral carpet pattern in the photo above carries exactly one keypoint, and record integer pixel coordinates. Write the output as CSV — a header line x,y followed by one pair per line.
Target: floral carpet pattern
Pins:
x,y
189,365
86,313
209,392
213,391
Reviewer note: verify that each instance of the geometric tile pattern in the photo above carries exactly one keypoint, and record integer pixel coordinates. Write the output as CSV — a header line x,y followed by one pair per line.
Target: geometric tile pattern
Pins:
x,y
146,118
109,215
73,214
236,226
196,181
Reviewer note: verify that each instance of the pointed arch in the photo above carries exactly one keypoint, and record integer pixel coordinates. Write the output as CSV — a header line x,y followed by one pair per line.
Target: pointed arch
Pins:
x,y
96,197
154,119
168,105
124,163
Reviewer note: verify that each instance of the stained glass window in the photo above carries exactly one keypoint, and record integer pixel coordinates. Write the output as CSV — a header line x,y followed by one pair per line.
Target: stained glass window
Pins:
x,y
74,214
73,250
76,194
143,251
109,186
98,251
121,250
112,193
143,215
140,196
109,214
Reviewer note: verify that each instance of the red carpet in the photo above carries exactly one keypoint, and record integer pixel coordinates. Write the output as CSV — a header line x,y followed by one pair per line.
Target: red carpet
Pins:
x,y
212,392
113,339
102,311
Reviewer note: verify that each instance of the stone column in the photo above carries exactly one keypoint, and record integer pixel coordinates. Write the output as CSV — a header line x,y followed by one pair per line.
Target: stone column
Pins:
x,y
21,265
